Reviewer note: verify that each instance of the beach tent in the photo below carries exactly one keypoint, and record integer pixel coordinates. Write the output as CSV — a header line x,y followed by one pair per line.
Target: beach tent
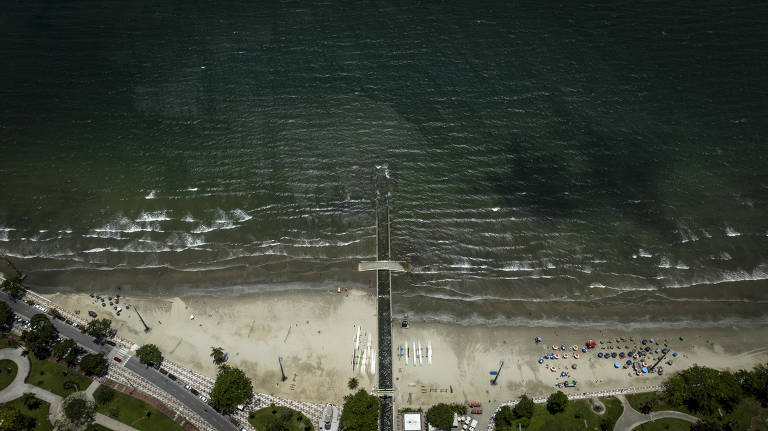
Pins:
x,y
599,354
616,365
591,343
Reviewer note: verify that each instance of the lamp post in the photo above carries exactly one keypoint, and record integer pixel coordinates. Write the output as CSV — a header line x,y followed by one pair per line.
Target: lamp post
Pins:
x,y
493,382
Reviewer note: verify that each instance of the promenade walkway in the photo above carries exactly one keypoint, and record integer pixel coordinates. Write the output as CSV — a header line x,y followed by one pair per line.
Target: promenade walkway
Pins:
x,y
18,388
631,418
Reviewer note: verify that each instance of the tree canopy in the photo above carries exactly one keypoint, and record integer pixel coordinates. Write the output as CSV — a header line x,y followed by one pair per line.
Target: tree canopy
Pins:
x,y
40,335
13,420
755,382
67,350
78,410
93,363
13,287
557,402
149,354
6,315
232,387
103,394
524,408
361,412
703,389
98,328
441,416
218,355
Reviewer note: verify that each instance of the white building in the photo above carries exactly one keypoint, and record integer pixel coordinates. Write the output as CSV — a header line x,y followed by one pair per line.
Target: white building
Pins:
x,y
412,422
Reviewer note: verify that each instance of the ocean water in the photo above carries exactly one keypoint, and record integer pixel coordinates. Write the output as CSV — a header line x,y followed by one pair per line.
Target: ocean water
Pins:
x,y
589,164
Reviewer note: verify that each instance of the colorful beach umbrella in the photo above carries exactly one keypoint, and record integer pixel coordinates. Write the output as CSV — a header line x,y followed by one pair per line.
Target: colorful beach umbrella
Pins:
x,y
583,350
635,355
565,356
599,354
616,365
541,360
575,347
648,349
538,339
645,369
552,368
554,347
562,347
576,355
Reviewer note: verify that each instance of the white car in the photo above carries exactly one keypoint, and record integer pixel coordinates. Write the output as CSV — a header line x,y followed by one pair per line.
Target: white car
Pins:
x,y
202,397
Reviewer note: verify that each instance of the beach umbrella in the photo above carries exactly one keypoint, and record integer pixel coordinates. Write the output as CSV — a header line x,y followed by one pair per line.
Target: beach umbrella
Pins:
x,y
562,347
616,364
607,356
575,347
682,338
554,347
645,364
538,339
552,368
573,366
541,360
576,355
565,356
651,340
645,369
635,355
645,341
621,355
613,355
664,350
557,356
674,354
647,349
563,374
637,372
599,354
583,350
629,362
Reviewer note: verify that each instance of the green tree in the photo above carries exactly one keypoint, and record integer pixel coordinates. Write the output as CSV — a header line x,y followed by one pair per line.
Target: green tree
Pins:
x,y
524,408
149,354
103,394
13,420
67,350
40,335
505,419
361,412
232,387
6,315
707,425
31,401
703,389
557,402
755,382
440,416
97,328
54,313
93,363
13,287
218,355
353,383
78,410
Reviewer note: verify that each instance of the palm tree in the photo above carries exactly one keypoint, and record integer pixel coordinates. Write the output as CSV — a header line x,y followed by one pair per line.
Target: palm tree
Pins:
x,y
218,355
353,383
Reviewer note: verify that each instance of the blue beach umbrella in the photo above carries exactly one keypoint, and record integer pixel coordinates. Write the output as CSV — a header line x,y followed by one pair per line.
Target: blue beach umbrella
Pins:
x,y
645,369
563,374
562,347
674,354
648,349
645,341
613,355
621,355
607,356
664,350
599,354
629,362
651,340
583,350
538,339
616,364
541,360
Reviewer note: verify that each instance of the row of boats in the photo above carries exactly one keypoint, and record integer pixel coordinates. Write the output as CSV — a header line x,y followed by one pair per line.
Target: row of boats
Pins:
x,y
417,352
365,355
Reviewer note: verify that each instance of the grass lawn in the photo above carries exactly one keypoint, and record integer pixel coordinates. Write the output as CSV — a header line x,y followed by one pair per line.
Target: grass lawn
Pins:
x,y
638,399
40,414
575,416
665,425
54,377
130,411
8,370
296,422
6,342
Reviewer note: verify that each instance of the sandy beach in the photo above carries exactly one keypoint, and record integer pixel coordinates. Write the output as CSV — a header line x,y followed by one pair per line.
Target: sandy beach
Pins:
x,y
314,333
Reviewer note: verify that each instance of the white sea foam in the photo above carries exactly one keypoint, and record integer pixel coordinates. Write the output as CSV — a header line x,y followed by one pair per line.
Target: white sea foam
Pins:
x,y
681,265
643,253
151,194
192,189
188,218
240,215
730,231
151,216
665,262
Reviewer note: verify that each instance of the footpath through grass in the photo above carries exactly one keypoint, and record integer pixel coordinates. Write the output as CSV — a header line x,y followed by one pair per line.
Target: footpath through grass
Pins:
x,y
664,425
293,420
132,411
40,414
55,377
8,371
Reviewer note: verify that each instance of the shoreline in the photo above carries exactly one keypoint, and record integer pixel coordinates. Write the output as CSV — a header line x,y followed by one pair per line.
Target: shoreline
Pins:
x,y
314,333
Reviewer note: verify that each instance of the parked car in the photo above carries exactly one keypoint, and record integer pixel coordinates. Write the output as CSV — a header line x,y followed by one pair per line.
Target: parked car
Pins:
x,y
117,359
162,371
475,404
477,411
202,397
187,387
171,376
194,391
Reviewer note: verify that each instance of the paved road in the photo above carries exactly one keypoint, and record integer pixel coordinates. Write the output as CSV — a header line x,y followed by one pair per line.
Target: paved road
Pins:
x,y
217,420
631,418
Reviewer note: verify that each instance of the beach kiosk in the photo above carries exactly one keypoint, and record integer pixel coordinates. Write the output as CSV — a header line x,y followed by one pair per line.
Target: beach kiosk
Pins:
x,y
412,421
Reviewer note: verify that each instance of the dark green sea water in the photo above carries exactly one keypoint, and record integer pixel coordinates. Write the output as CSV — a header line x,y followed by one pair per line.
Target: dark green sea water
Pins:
x,y
582,163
